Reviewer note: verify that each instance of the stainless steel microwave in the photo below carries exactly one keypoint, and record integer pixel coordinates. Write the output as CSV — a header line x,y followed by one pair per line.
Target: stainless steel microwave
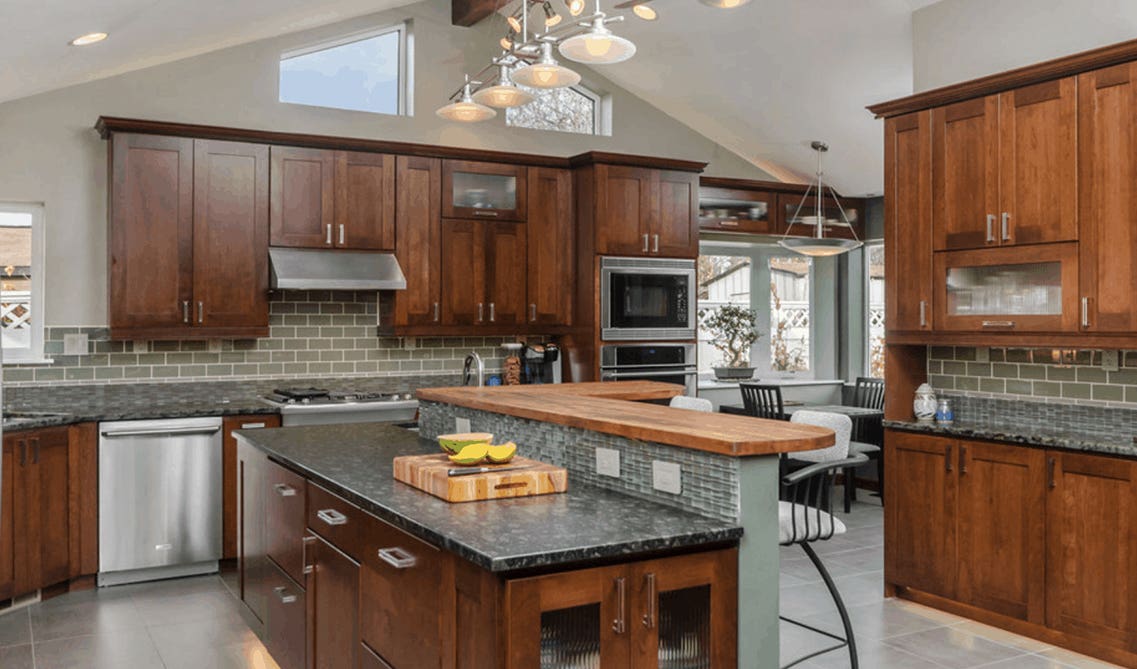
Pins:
x,y
647,299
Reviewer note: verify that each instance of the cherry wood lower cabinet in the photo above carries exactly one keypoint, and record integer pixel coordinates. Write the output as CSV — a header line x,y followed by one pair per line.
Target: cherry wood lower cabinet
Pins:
x,y
333,606
1042,542
229,474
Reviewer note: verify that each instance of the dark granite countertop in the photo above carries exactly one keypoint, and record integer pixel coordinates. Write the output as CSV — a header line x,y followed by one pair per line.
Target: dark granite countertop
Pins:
x,y
585,523
1107,443
27,408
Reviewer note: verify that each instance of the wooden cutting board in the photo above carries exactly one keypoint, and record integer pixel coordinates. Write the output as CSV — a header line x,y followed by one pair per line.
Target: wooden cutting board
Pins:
x,y
429,474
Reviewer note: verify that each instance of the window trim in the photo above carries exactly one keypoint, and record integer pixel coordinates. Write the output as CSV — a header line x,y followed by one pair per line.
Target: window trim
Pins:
x,y
34,354
867,287
405,104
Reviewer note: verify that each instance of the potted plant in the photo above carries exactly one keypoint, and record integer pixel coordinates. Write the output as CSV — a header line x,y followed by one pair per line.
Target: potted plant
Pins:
x,y
733,332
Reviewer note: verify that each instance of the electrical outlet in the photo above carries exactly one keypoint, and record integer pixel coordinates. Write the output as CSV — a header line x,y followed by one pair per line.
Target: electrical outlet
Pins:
x,y
666,477
982,354
461,425
1109,361
608,462
75,344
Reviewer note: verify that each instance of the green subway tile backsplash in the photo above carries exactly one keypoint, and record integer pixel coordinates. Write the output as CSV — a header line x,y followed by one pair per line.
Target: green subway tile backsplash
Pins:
x,y
317,333
1049,375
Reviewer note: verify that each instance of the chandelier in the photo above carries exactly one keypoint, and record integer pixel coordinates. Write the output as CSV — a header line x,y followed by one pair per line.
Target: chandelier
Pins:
x,y
819,245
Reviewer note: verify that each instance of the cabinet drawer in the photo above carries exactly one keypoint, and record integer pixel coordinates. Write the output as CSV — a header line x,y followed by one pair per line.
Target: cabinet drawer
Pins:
x,y
285,619
400,596
284,506
337,520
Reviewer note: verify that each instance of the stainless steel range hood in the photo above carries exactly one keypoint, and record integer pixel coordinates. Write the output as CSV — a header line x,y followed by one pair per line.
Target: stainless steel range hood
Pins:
x,y
317,269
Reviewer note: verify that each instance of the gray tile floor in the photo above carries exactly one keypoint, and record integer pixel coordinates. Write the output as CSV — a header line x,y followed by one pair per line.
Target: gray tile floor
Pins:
x,y
195,623
892,633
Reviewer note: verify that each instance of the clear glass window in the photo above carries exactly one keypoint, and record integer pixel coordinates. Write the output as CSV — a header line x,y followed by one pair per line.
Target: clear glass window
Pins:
x,y
874,318
723,279
573,109
790,313
21,282
367,72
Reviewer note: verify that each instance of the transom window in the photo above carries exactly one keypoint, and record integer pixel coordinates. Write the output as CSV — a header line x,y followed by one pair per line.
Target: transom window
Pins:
x,y
367,72
21,282
874,326
574,109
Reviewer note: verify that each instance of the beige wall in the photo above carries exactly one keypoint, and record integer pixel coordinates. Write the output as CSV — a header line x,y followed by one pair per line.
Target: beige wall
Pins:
x,y
958,40
50,153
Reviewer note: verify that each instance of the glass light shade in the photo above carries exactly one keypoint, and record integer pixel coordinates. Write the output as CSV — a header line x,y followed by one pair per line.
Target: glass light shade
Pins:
x,y
645,12
514,24
506,43
819,247
724,4
504,93
598,46
89,38
466,110
546,72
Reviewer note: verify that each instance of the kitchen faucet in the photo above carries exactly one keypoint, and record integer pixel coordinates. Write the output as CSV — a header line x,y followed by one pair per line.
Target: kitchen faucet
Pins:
x,y
474,366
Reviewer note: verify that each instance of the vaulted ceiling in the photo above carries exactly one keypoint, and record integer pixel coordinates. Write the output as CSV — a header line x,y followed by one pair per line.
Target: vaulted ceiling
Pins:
x,y
762,80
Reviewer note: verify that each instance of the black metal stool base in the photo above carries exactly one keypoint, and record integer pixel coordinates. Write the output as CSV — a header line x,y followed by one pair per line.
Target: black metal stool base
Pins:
x,y
847,640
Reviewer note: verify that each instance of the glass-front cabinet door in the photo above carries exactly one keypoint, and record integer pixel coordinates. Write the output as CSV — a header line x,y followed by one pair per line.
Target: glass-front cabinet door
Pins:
x,y
799,217
685,612
483,190
572,620
736,210
1011,289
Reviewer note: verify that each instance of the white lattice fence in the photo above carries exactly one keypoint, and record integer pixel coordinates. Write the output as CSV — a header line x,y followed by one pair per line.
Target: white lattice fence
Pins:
x,y
16,310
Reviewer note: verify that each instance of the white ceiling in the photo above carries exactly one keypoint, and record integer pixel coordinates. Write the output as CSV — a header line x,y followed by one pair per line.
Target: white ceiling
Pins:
x,y
762,80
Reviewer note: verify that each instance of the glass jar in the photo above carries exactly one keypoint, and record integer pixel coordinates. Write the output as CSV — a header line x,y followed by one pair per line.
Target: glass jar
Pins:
x,y
944,413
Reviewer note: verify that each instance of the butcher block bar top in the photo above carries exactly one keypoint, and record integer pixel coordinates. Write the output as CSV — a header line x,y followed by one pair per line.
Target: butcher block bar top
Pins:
x,y
618,408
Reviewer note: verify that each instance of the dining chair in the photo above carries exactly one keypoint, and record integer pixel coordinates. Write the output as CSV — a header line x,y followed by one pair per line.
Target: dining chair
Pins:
x,y
692,403
868,434
763,401
805,514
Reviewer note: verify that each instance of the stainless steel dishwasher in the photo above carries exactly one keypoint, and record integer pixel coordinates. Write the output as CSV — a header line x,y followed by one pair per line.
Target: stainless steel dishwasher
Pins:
x,y
159,499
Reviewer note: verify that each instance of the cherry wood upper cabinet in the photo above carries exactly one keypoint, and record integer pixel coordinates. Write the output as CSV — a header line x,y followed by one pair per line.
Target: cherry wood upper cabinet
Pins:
x,y
920,519
675,231
1091,513
1002,533
150,247
230,234
908,219
551,244
365,201
505,273
965,169
625,198
1038,163
483,190
303,197
1107,198
418,225
463,271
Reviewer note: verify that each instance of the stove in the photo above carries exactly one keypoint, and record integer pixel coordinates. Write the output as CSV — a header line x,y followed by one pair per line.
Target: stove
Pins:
x,y
318,406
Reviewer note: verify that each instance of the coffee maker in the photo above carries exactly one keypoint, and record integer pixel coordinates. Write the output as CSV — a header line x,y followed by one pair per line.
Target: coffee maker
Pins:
x,y
541,363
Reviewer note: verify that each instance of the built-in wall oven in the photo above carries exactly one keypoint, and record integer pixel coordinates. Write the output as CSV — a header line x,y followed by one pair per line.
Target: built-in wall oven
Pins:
x,y
647,299
664,362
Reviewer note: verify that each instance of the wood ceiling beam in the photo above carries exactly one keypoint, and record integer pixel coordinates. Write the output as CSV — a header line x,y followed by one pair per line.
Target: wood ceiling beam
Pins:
x,y
468,12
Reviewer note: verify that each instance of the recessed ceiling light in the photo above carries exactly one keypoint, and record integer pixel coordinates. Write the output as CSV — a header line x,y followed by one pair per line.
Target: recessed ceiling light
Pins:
x,y
89,38
645,12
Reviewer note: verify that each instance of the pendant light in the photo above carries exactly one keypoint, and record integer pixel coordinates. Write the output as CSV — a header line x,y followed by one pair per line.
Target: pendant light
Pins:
x,y
645,12
552,18
575,7
818,245
465,109
546,72
504,93
598,46
724,4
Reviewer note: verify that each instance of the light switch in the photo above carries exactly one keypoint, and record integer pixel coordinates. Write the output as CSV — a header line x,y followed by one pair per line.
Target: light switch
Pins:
x,y
608,462
666,477
461,425
75,344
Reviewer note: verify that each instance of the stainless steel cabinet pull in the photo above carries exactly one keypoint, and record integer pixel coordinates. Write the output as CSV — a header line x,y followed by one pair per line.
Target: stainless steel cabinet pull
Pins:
x,y
341,235
990,228
947,459
1085,312
923,313
1006,228
328,241
200,312
435,312
305,567
655,243
35,453
620,624
962,459
493,314
1051,463
728,222
397,558
331,517
645,243
185,311
284,490
285,596
251,426
998,324
481,312
486,212
170,431
649,616
532,313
